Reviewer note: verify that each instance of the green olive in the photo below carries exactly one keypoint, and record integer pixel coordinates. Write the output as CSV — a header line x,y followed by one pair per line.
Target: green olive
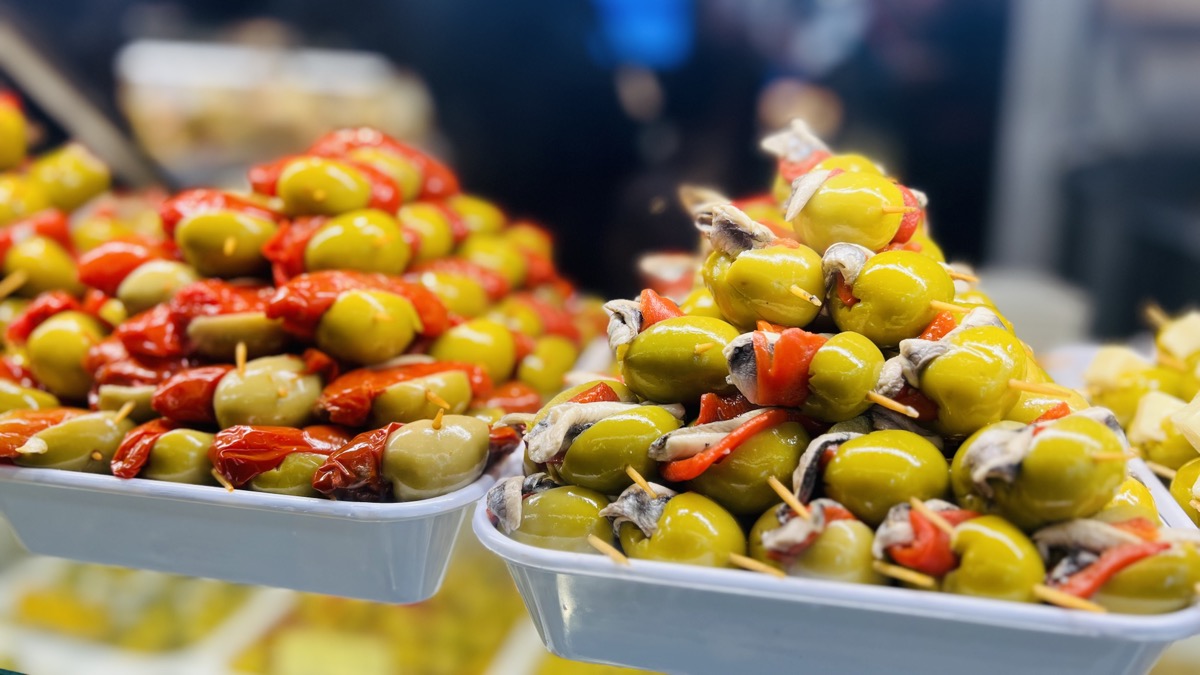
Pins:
x,y
57,349
1185,488
84,443
562,518
409,401
894,289
435,236
597,457
115,396
663,363
154,282
273,391
461,294
320,186
872,473
479,215
758,285
9,309
20,197
841,373
480,341
1133,500
217,337
293,476
1030,406
692,530
400,169
545,368
767,522
367,240
13,136
489,416
368,327
624,395
700,302
70,176
180,456
969,383
48,266
15,397
1172,453
841,553
518,315
225,244
924,244
531,239
739,482
848,207
1161,583
423,462
1123,398
996,560
497,254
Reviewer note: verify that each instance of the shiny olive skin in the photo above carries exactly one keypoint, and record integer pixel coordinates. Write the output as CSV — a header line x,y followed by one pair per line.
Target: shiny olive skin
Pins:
x,y
693,530
545,368
519,316
497,254
1123,399
756,285
293,476
114,397
274,391
180,456
1133,500
368,240
700,302
368,327
461,294
70,176
841,373
84,443
321,186
56,351
1183,489
846,208
20,197
154,282
1159,584
48,265
225,244
435,236
13,136
841,553
423,462
661,363
15,397
739,482
409,401
9,309
481,341
597,458
996,561
969,383
1030,406
217,337
924,244
479,215
561,518
872,473
1172,453
400,169
894,290
1058,480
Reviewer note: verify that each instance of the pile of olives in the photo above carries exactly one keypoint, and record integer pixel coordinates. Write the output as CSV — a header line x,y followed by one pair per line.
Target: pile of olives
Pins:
x,y
350,328
831,400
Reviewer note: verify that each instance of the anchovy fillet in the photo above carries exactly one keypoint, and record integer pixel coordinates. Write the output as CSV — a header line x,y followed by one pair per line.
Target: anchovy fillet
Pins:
x,y
624,321
793,143
845,259
808,471
690,441
731,231
636,507
896,529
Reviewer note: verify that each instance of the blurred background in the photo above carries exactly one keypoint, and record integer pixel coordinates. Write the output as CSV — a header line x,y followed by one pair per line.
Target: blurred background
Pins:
x,y
1057,140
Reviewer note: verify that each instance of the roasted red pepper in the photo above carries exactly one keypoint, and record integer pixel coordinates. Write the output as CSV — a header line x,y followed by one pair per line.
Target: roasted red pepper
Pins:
x,y
790,171
513,396
832,513
720,407
134,451
495,285
18,426
241,453
600,392
937,329
187,396
203,200
686,469
844,292
1085,583
355,471
929,551
107,265
385,194
348,399
50,223
1057,411
501,442
285,249
14,372
783,370
911,220
655,308
926,409
35,313
304,300
155,333
437,180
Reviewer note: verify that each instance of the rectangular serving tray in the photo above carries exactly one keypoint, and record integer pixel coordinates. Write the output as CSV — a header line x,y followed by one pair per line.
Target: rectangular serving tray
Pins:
x,y
697,620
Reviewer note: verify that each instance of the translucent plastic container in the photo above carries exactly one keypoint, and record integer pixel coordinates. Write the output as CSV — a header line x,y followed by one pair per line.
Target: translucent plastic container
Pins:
x,y
393,553
696,620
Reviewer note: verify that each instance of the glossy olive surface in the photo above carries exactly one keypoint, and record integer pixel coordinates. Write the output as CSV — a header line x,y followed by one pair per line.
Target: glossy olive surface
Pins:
x,y
739,482
368,327
870,474
841,373
293,476
413,399
597,458
56,351
969,383
273,391
996,560
662,363
1158,584
368,240
481,341
848,208
693,530
562,518
83,443
422,461
225,244
894,290
756,285
320,186
181,456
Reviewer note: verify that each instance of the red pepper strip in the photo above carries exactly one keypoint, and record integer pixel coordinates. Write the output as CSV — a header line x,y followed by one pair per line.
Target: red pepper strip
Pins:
x,y
355,471
601,392
513,396
14,372
790,171
686,469
502,441
264,178
655,308
557,321
845,293
1085,583
317,362
10,100
494,285
111,363
523,345
1057,411
911,220
285,249
458,226
134,451
1141,527
721,407
154,333
942,323
242,453
18,426
438,181
926,409
832,513
783,372
539,270
50,223
35,314
187,396
929,551
213,297
193,202
385,193
348,399
304,300
107,265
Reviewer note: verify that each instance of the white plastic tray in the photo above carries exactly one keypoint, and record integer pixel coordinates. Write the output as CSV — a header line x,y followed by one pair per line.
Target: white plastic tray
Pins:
x,y
394,553
696,620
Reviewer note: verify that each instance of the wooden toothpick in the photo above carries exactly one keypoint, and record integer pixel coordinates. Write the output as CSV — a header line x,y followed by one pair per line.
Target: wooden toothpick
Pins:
x,y
788,498
892,404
